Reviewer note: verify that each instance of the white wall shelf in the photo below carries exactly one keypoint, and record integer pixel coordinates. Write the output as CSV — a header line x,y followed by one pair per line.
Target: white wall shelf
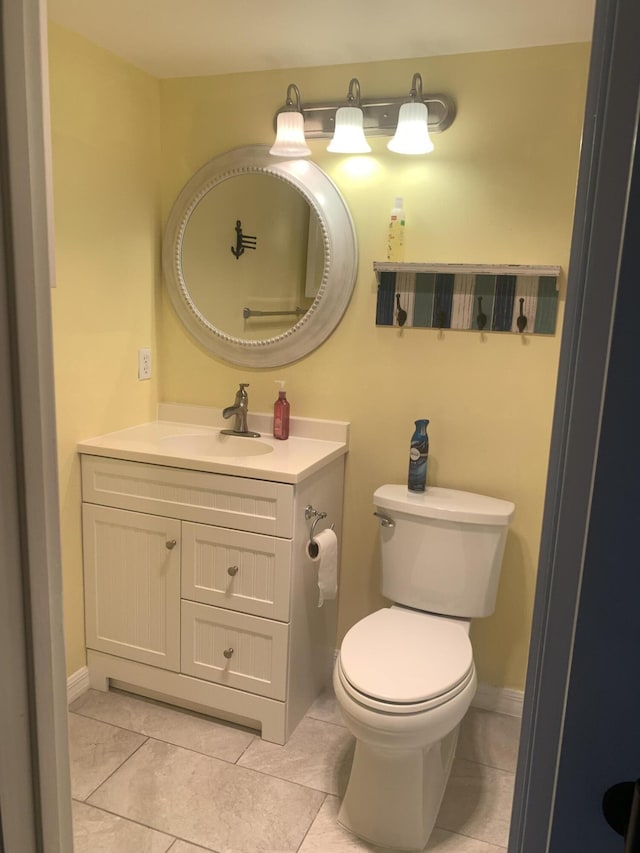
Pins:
x,y
468,269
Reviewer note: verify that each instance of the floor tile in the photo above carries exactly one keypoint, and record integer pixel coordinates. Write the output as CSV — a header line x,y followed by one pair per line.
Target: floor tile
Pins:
x,y
164,723
270,800
317,755
489,738
477,802
95,751
326,708
95,831
327,836
209,802
450,842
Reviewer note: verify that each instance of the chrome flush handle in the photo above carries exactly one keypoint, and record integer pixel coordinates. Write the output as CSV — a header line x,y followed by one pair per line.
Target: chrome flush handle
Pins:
x,y
385,521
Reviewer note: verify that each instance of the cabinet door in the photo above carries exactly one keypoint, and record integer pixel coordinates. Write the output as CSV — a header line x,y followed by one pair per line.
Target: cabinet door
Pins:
x,y
132,585
236,570
235,649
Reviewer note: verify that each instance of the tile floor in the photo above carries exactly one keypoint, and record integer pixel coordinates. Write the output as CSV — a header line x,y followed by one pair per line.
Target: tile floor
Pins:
x,y
148,778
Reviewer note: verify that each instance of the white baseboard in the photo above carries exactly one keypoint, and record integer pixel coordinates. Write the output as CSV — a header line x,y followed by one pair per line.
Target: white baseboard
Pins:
x,y
502,700
77,684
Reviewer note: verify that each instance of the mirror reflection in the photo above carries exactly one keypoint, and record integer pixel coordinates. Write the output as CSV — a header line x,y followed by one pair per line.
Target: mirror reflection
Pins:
x,y
249,272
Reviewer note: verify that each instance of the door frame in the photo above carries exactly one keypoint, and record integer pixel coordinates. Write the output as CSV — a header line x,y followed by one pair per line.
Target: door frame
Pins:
x,y
35,793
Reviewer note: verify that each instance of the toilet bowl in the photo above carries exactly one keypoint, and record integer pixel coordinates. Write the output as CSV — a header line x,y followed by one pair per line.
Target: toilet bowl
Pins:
x,y
404,677
403,680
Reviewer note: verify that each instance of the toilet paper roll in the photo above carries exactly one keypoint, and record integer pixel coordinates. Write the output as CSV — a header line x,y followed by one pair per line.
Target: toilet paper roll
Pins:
x,y
323,551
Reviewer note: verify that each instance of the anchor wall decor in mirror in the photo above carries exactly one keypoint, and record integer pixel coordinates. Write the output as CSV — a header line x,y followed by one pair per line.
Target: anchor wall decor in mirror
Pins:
x,y
260,257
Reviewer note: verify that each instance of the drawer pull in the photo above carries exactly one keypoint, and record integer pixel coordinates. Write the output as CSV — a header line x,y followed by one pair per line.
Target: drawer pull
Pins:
x,y
228,653
171,544
232,570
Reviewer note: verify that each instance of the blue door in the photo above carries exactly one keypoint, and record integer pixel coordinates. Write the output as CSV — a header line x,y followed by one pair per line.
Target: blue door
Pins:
x,y
582,704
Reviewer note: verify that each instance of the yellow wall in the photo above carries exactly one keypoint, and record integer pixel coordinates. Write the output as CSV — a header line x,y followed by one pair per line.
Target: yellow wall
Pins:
x,y
105,127
499,188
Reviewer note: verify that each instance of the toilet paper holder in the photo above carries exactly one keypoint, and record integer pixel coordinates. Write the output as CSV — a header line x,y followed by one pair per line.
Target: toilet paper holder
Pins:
x,y
314,515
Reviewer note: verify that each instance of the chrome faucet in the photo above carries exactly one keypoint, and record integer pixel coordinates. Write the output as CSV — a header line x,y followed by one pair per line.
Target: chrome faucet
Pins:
x,y
239,409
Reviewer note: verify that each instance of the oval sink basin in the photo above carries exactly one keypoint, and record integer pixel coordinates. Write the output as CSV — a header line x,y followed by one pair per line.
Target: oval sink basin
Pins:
x,y
214,444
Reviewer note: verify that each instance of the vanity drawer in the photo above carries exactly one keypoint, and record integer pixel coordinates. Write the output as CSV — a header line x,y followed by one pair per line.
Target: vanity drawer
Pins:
x,y
256,649
236,570
240,503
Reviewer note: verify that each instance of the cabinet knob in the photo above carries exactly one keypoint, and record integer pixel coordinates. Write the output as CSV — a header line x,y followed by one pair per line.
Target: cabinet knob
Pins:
x,y
232,570
171,544
228,653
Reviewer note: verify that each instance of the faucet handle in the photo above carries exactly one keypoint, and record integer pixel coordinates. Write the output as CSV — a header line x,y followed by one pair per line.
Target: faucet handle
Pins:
x,y
242,402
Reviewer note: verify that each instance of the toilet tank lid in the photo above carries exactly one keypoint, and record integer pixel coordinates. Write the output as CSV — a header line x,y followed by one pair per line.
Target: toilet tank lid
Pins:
x,y
445,504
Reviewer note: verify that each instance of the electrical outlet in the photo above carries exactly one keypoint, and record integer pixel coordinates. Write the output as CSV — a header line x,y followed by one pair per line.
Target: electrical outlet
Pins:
x,y
144,363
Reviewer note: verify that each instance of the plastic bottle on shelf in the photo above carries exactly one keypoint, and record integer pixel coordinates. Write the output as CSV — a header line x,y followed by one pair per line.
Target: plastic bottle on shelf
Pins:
x,y
395,235
418,456
281,410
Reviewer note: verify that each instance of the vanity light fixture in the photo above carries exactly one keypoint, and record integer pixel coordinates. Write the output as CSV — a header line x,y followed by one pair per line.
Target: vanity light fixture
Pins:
x,y
412,132
348,137
290,141
411,121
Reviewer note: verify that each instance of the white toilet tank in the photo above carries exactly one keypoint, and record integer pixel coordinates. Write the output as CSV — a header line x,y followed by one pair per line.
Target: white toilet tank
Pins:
x,y
443,553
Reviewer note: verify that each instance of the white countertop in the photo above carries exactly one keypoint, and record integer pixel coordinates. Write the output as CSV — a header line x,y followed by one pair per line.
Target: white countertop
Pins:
x,y
311,445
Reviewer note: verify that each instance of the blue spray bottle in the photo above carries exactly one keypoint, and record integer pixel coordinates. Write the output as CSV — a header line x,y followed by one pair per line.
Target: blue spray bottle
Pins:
x,y
418,456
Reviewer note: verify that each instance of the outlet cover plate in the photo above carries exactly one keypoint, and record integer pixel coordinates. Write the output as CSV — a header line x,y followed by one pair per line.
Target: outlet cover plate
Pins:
x,y
144,363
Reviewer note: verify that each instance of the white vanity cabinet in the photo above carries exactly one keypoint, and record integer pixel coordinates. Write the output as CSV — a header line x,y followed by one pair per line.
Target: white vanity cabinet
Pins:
x,y
199,590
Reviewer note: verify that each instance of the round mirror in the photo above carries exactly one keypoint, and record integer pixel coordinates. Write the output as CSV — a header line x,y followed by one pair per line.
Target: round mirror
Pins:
x,y
260,257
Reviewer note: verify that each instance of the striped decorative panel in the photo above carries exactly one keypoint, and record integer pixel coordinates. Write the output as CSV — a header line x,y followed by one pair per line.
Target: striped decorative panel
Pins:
x,y
466,296
462,305
424,295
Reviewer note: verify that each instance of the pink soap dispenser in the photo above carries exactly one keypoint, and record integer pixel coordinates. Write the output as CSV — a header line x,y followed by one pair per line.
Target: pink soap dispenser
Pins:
x,y
281,409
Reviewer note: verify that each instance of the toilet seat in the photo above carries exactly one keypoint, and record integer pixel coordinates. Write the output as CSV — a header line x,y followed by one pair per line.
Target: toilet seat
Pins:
x,y
404,661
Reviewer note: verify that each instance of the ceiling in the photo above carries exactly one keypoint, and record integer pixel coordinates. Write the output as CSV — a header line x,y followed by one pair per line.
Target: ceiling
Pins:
x,y
183,38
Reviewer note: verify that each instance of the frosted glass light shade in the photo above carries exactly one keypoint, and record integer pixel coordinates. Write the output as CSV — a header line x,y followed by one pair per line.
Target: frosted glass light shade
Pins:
x,y
412,133
348,136
290,141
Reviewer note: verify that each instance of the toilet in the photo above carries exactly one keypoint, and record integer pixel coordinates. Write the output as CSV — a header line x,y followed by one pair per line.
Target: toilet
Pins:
x,y
404,677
